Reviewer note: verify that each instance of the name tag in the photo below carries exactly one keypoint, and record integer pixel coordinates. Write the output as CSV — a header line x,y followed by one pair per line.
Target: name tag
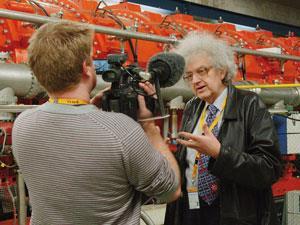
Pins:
x,y
193,197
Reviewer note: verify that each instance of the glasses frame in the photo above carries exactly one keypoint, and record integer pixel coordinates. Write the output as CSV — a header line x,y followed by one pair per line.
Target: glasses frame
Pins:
x,y
202,75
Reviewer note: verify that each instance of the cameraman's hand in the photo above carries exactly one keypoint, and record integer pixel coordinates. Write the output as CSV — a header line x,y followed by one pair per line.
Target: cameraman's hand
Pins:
x,y
97,99
144,112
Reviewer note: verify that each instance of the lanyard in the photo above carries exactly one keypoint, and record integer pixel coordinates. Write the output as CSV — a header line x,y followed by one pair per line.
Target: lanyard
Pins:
x,y
68,101
216,120
213,124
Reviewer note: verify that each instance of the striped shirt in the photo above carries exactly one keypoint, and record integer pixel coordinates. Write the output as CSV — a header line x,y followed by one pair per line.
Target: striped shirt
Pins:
x,y
84,166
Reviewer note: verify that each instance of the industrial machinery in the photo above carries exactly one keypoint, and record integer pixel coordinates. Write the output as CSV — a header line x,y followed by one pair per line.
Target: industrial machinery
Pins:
x,y
267,64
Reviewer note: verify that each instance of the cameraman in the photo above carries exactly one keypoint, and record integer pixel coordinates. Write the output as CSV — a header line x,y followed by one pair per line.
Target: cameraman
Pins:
x,y
83,165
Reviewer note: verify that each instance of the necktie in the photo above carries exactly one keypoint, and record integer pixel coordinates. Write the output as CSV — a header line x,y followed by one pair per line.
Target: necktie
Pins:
x,y
207,182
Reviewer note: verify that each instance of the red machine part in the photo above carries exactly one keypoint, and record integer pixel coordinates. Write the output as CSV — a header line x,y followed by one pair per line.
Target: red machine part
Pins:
x,y
288,181
7,168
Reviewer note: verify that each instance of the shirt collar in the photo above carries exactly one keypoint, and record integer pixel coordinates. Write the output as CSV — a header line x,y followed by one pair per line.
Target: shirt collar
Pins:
x,y
220,99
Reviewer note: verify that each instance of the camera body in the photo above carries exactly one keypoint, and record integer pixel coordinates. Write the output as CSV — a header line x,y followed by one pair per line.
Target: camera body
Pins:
x,y
122,97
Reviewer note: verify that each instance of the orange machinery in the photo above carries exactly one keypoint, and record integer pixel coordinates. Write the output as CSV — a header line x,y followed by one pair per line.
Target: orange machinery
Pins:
x,y
14,36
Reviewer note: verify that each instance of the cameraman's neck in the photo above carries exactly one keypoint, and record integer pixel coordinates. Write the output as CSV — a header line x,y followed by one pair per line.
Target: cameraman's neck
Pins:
x,y
78,92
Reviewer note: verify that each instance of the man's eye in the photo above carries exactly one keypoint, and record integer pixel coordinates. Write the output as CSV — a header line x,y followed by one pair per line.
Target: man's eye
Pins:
x,y
201,71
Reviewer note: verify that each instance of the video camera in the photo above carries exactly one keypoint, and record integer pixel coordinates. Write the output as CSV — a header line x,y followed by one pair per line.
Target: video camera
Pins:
x,y
164,70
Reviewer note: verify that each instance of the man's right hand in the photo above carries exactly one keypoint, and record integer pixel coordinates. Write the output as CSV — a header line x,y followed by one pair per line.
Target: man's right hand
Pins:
x,y
155,138
97,99
144,112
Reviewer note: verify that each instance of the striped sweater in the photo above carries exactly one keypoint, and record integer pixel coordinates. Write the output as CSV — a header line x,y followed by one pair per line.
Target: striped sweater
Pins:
x,y
84,166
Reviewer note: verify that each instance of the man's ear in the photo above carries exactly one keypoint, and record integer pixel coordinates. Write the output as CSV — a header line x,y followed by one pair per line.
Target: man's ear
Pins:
x,y
85,69
223,73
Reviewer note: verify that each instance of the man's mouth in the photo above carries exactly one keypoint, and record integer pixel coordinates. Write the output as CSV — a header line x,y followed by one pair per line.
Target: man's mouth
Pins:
x,y
200,88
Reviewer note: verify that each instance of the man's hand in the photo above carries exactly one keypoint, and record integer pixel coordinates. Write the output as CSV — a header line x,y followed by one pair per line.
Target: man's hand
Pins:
x,y
97,99
144,112
207,143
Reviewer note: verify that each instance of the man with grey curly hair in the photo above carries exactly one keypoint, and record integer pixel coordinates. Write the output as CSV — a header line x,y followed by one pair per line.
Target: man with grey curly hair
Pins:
x,y
228,150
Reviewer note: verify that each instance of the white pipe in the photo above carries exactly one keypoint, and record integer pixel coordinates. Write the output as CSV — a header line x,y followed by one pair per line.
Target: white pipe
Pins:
x,y
21,80
22,208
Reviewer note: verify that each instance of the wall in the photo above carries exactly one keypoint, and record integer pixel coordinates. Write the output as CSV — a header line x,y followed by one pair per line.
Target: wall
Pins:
x,y
283,11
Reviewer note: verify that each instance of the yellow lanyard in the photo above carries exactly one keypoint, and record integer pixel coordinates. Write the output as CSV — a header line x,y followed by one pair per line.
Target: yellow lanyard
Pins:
x,y
68,101
213,124
216,120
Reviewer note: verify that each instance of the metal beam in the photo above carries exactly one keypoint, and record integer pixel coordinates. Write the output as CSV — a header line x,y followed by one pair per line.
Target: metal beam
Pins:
x,y
213,13
33,18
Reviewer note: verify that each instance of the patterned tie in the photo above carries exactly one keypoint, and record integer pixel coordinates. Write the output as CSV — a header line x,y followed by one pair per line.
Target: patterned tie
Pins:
x,y
207,184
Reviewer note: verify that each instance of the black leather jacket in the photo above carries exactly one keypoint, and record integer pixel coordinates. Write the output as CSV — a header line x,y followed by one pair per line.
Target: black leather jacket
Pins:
x,y
248,164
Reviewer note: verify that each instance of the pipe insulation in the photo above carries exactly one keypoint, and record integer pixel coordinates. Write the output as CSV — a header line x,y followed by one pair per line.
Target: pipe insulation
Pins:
x,y
270,96
20,78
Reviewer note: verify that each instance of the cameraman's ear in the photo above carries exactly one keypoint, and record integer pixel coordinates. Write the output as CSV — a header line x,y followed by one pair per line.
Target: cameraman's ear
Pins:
x,y
84,68
87,67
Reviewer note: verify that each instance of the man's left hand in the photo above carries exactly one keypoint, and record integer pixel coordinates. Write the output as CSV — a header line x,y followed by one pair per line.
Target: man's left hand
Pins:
x,y
206,144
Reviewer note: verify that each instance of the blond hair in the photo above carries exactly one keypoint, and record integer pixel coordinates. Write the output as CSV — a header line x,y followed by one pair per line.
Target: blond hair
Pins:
x,y
56,54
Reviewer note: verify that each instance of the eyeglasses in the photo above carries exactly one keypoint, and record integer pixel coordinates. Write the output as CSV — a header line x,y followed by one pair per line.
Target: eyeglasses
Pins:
x,y
201,73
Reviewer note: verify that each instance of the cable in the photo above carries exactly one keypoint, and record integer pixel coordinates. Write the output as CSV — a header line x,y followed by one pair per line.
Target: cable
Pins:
x,y
4,141
97,7
2,165
13,203
118,21
166,23
39,6
121,24
288,117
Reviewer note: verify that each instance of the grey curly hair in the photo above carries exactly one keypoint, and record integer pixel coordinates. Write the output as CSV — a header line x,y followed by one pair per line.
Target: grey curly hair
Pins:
x,y
202,43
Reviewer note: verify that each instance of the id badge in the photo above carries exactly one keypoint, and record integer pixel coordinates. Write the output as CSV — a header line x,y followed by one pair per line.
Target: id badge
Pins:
x,y
193,197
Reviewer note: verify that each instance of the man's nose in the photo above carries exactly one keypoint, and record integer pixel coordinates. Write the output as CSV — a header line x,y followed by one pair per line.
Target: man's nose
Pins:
x,y
196,78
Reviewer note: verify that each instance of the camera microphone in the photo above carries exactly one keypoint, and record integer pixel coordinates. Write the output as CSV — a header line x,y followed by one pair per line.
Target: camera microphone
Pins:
x,y
167,67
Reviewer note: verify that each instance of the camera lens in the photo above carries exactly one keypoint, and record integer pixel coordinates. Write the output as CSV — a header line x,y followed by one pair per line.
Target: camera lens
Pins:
x,y
111,75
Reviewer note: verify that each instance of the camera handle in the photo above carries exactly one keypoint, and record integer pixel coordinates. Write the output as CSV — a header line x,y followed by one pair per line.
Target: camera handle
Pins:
x,y
159,98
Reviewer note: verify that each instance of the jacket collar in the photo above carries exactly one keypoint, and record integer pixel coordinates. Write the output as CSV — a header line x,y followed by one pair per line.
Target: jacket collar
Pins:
x,y
230,111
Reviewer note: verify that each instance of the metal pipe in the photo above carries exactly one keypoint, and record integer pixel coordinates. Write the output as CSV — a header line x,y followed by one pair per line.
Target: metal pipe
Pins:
x,y
289,96
15,108
7,97
246,51
20,78
267,86
22,208
9,14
